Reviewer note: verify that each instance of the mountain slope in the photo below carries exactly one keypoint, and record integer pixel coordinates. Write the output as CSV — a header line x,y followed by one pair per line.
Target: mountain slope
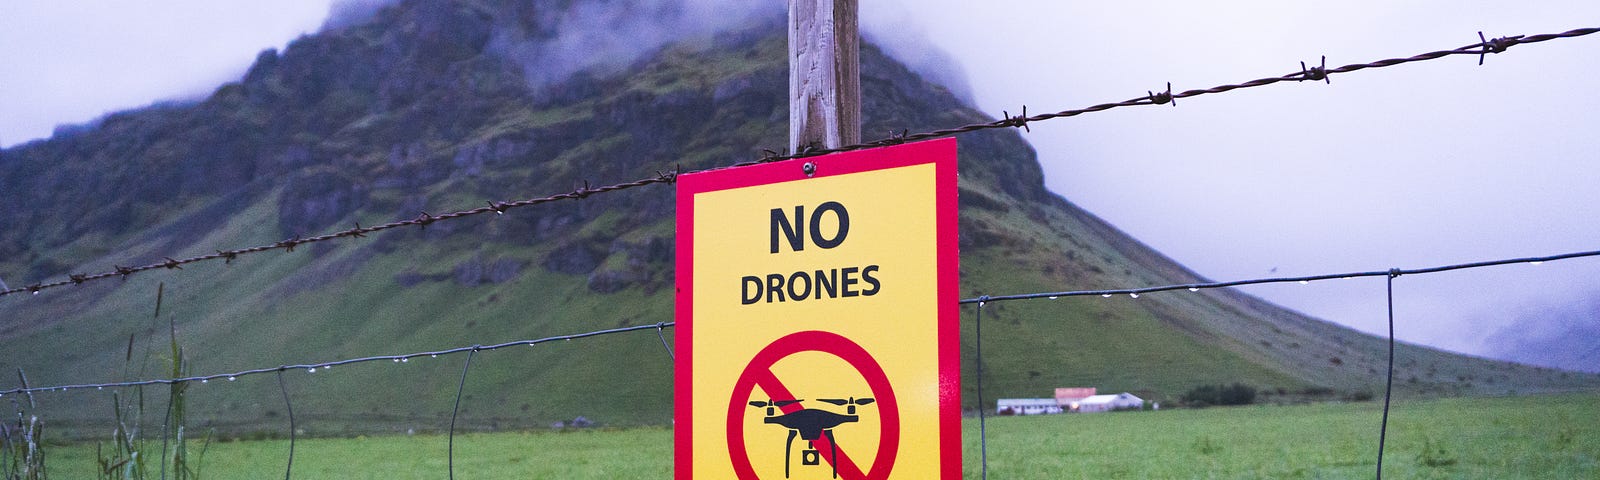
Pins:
x,y
435,106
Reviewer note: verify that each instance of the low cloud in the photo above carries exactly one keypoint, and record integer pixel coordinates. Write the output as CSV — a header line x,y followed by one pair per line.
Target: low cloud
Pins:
x,y
1566,336
606,34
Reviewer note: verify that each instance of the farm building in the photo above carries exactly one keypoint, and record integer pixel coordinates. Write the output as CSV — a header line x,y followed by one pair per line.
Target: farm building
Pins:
x,y
1106,403
1027,406
1065,396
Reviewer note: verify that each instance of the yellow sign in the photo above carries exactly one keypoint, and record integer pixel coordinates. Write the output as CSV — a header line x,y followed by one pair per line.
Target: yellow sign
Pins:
x,y
817,328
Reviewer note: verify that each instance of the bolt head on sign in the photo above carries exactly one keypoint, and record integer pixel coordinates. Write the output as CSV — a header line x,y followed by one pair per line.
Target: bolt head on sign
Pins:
x,y
817,323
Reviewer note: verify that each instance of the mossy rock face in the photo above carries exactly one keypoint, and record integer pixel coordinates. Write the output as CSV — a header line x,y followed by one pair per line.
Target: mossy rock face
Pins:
x,y
415,111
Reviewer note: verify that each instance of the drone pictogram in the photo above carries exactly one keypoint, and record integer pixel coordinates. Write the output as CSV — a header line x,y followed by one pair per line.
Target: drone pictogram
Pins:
x,y
811,424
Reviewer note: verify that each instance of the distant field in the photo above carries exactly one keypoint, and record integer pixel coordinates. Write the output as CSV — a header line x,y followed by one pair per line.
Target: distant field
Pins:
x,y
1502,438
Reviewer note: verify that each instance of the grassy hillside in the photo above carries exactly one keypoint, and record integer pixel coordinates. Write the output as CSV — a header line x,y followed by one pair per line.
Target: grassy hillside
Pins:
x,y
415,110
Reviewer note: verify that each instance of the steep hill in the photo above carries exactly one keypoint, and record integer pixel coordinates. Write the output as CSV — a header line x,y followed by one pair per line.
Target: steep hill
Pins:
x,y
440,106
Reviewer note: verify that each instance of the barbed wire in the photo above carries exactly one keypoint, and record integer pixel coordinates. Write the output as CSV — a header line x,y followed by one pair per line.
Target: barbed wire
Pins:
x,y
313,367
1194,287
1318,73
1321,72
358,231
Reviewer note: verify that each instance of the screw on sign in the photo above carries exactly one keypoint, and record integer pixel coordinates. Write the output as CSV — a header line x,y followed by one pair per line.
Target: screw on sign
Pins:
x,y
815,424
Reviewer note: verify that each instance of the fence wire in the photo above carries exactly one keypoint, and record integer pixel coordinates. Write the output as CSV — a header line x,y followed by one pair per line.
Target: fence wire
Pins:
x,y
313,367
1194,287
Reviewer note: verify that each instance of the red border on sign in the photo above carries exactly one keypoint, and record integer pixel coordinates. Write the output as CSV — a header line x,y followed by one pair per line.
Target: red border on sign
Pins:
x,y
942,154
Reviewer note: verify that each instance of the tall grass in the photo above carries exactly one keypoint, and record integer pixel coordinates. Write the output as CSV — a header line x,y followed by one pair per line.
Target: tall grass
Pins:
x,y
127,458
21,443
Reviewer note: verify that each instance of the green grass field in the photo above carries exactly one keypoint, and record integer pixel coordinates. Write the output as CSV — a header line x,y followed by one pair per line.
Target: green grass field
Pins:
x,y
1503,438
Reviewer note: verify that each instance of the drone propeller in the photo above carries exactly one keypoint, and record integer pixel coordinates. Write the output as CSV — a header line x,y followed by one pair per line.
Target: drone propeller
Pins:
x,y
774,403
843,402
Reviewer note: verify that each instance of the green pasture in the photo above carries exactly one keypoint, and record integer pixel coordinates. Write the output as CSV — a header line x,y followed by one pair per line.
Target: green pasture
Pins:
x,y
1504,438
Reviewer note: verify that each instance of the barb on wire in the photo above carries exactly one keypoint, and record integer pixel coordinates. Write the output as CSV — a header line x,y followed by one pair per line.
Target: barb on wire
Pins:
x,y
1135,292
288,245
312,367
1009,121
1162,97
1497,45
1319,72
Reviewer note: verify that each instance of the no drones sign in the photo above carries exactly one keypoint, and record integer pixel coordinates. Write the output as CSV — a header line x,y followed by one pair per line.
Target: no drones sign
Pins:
x,y
817,328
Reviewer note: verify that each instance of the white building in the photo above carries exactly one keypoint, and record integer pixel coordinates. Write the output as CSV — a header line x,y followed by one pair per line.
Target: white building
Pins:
x,y
1027,406
1106,403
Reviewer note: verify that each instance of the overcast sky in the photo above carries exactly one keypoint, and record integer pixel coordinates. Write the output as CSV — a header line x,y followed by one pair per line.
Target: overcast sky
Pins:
x,y
1419,165
1411,166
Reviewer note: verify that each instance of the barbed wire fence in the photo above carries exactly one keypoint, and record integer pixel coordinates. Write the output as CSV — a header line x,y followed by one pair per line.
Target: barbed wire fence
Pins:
x,y
1320,72
659,328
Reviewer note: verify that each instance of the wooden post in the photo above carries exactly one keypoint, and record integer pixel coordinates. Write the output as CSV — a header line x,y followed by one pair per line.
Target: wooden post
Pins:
x,y
824,74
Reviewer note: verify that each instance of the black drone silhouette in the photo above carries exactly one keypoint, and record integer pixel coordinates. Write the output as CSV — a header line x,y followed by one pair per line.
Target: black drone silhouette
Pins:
x,y
811,424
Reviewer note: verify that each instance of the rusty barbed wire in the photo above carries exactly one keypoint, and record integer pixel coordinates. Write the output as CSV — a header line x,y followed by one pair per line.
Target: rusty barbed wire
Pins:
x,y
313,367
288,245
1483,48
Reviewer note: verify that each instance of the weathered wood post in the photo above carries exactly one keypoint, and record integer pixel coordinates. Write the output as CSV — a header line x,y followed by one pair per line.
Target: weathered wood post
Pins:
x,y
824,74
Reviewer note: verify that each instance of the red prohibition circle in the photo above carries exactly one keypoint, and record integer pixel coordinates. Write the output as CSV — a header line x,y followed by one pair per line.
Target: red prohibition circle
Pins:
x,y
759,372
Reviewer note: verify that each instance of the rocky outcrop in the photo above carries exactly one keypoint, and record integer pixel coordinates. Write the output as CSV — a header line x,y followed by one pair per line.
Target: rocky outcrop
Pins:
x,y
645,263
313,201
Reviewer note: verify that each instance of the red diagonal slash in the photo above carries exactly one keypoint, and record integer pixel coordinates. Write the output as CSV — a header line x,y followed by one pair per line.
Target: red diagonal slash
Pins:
x,y
759,373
